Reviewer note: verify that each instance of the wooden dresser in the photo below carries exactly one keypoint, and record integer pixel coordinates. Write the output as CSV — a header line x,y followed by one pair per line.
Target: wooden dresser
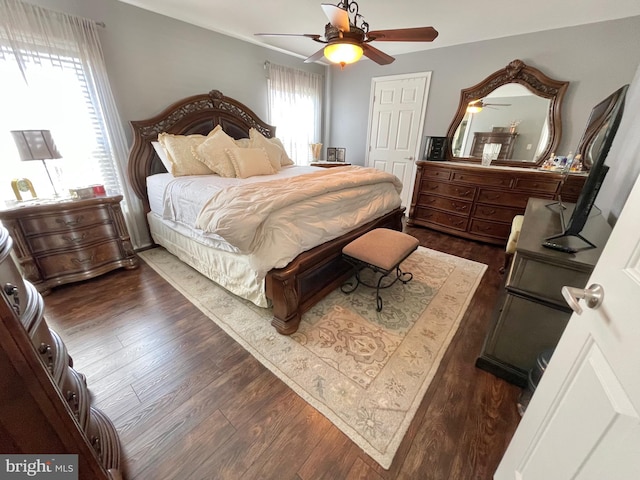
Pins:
x,y
58,242
531,314
46,406
479,203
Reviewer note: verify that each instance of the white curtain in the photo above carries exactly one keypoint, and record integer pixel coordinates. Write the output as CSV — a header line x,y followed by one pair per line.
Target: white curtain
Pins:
x,y
54,77
295,109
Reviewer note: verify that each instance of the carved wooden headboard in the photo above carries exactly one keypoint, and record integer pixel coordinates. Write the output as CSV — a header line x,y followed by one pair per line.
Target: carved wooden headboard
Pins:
x,y
195,114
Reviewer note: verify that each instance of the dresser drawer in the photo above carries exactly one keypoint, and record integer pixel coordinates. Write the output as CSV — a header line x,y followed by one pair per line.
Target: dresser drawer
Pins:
x,y
448,189
495,213
455,222
437,172
534,185
544,280
72,238
509,199
80,260
450,205
492,180
490,229
62,221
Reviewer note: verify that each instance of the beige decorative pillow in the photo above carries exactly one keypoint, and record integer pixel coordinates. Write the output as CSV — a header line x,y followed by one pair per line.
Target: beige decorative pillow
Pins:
x,y
249,162
178,149
274,152
284,160
242,142
212,153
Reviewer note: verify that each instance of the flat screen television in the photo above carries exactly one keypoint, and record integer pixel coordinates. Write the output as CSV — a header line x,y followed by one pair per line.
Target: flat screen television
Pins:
x,y
602,126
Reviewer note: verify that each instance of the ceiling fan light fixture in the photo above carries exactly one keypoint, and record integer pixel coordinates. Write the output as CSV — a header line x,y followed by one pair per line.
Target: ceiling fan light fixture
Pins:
x,y
475,108
343,53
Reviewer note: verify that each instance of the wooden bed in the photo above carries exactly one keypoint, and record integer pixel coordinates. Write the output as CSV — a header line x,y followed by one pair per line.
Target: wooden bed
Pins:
x,y
313,274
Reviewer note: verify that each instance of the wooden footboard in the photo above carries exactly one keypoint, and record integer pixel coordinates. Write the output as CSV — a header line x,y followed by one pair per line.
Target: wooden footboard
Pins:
x,y
313,274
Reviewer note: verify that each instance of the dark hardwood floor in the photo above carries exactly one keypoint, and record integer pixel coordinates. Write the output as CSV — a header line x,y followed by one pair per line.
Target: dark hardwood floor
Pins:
x,y
190,403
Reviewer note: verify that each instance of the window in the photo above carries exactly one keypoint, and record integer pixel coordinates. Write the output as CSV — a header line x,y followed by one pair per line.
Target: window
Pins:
x,y
57,99
295,109
54,78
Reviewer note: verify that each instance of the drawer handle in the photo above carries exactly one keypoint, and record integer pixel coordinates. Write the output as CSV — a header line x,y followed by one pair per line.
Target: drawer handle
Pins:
x,y
460,208
70,223
464,193
485,229
83,261
75,239
95,443
12,291
458,223
488,211
493,197
72,400
46,349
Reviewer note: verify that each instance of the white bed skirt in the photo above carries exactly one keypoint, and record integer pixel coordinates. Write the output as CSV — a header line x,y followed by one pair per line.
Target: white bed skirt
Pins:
x,y
229,270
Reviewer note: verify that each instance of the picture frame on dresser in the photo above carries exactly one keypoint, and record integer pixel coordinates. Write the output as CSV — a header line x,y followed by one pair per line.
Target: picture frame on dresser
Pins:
x,y
331,154
341,154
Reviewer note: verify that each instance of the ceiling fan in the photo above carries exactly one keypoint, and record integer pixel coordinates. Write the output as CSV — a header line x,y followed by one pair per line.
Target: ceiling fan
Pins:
x,y
477,105
347,36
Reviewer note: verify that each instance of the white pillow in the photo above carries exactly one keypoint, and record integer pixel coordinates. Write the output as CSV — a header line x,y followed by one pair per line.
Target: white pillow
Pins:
x,y
249,162
162,155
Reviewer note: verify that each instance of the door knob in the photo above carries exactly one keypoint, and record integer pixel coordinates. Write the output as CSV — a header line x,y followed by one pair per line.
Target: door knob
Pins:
x,y
408,158
592,295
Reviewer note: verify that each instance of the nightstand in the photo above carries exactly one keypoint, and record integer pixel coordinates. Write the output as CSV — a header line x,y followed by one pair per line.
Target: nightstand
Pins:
x,y
64,241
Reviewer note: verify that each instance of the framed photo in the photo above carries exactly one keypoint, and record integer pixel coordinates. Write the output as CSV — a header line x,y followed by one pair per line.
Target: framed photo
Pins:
x,y
340,154
331,154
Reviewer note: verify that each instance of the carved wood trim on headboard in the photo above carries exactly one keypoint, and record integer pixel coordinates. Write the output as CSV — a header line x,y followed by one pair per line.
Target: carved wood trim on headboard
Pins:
x,y
195,114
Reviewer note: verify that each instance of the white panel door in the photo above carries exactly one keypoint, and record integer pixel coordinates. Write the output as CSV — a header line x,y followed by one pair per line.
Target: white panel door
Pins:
x,y
395,125
583,421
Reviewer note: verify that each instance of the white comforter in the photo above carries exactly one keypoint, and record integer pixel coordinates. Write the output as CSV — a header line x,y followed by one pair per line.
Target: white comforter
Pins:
x,y
240,215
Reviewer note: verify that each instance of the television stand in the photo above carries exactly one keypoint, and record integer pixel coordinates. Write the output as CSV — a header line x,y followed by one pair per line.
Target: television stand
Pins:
x,y
531,313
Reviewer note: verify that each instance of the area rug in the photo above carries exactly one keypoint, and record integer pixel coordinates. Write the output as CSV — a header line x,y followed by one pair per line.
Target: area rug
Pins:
x,y
366,371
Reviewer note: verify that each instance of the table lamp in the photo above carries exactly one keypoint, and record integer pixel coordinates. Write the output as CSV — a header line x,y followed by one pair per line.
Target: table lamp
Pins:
x,y
36,145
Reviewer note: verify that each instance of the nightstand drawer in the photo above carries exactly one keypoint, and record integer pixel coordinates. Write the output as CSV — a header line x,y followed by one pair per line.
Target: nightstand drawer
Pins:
x,y
70,239
37,225
80,260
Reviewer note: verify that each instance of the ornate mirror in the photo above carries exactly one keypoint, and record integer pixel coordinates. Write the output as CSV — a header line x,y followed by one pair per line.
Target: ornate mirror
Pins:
x,y
515,112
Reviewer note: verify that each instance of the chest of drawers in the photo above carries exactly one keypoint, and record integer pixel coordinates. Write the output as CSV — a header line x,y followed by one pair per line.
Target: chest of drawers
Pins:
x,y
67,241
479,202
46,404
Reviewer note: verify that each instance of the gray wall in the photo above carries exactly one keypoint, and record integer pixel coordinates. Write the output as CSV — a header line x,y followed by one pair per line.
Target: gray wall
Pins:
x,y
597,59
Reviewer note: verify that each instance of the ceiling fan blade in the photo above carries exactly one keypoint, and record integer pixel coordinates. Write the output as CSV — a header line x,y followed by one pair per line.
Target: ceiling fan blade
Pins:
x,y
337,16
312,36
419,34
315,57
376,55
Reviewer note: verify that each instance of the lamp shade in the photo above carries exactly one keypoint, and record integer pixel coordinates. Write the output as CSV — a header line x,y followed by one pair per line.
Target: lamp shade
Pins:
x,y
35,144
343,53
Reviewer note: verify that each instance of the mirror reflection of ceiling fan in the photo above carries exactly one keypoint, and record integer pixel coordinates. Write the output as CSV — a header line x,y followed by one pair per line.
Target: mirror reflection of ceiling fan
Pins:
x,y
477,105
347,36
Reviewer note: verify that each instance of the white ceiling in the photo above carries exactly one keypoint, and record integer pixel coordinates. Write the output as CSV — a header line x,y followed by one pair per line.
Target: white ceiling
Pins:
x,y
459,21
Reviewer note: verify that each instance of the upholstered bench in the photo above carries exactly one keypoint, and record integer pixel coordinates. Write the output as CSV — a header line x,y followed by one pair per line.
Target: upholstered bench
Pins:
x,y
381,250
